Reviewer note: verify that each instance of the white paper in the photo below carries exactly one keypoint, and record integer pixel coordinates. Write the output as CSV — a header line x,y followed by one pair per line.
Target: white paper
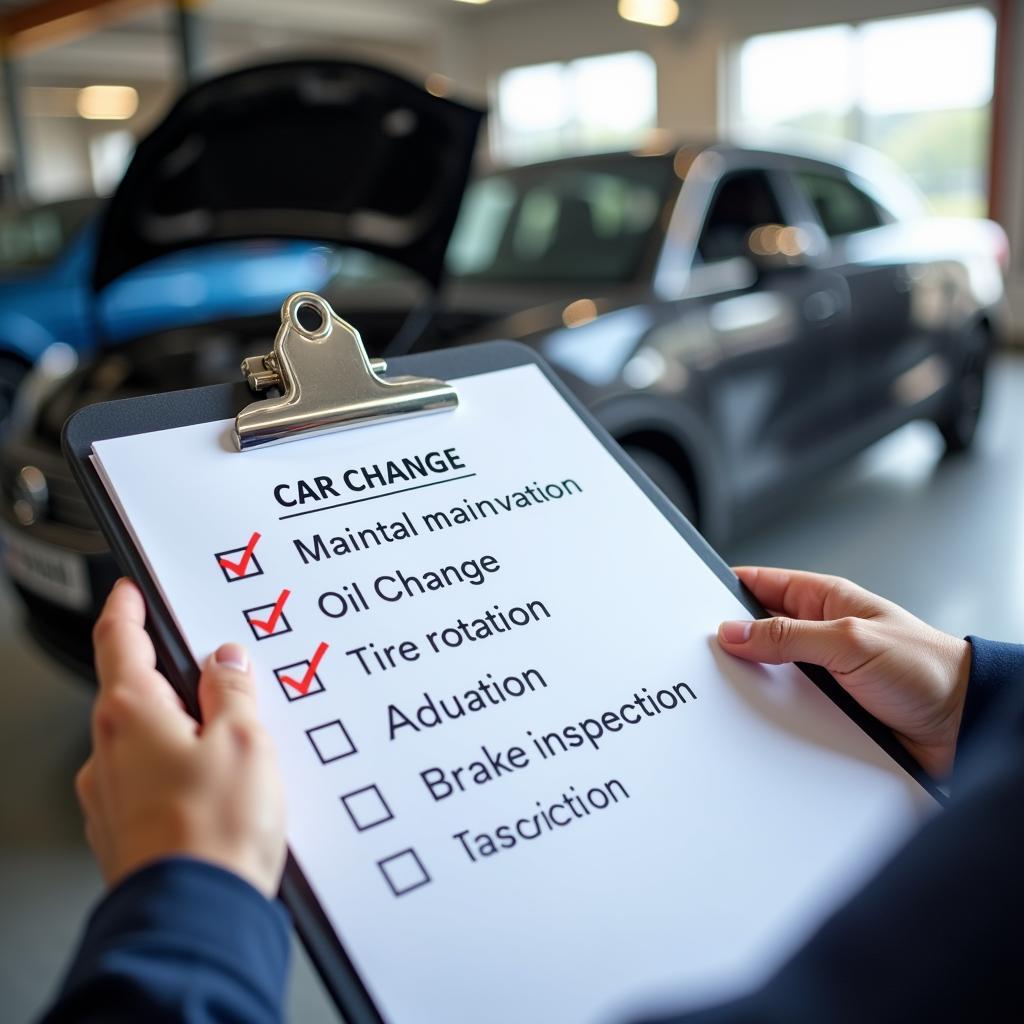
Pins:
x,y
734,821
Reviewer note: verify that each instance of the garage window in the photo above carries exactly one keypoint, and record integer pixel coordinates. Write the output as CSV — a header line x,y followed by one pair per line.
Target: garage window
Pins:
x,y
587,105
918,89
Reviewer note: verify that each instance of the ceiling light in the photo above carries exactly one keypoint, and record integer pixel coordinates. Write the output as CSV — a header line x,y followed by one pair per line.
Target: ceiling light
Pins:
x,y
660,13
473,1
107,102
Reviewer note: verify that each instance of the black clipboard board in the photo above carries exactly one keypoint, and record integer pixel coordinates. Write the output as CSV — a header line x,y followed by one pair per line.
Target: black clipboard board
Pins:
x,y
219,402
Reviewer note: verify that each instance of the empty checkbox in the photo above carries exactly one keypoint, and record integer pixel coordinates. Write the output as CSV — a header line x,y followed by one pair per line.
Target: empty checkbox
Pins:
x,y
367,807
403,872
331,741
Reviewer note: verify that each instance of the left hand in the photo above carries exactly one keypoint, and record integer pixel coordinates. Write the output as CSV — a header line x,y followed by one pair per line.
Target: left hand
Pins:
x,y
159,784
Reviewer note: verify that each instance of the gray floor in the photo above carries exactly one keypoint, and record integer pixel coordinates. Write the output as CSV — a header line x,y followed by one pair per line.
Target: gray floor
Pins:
x,y
943,538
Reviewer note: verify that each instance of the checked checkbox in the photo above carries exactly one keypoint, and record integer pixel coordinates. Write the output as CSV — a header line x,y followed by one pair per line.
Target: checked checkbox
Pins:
x,y
268,620
366,807
331,741
403,871
240,563
300,679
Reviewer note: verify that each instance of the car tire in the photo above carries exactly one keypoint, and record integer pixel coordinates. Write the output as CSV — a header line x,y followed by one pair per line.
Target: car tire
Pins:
x,y
958,424
667,479
12,373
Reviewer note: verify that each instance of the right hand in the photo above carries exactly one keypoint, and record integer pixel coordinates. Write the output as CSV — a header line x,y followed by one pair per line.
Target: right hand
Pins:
x,y
907,674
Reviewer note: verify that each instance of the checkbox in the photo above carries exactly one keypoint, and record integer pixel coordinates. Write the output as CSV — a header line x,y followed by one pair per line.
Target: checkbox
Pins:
x,y
403,872
298,680
269,620
331,741
240,563
366,807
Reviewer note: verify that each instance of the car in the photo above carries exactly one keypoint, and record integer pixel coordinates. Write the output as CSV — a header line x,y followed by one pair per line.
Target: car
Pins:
x,y
739,319
46,257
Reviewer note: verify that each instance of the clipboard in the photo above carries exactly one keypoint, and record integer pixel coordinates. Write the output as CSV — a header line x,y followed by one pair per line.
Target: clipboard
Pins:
x,y
362,395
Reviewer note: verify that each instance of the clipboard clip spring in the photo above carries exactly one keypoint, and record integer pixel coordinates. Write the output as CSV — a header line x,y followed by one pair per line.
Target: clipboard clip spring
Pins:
x,y
327,381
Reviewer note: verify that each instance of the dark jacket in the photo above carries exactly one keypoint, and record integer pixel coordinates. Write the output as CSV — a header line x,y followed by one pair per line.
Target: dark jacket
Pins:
x,y
936,936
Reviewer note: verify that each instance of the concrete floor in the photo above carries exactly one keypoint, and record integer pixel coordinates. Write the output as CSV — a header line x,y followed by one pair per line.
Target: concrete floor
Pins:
x,y
943,538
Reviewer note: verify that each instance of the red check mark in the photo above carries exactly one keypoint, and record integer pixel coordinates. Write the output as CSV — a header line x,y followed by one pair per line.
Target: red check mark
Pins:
x,y
271,622
302,685
239,567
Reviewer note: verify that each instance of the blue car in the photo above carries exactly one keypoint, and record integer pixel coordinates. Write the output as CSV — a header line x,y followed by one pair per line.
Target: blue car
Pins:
x,y
46,259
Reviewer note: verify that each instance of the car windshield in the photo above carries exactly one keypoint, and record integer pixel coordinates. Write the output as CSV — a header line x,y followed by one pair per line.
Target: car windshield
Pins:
x,y
34,237
569,222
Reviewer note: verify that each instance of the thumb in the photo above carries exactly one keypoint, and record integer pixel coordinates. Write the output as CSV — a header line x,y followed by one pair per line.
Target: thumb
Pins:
x,y
226,687
779,640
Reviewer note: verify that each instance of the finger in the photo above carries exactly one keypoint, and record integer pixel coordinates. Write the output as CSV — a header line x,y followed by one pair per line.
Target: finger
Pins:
x,y
806,595
121,645
841,645
85,783
226,687
133,694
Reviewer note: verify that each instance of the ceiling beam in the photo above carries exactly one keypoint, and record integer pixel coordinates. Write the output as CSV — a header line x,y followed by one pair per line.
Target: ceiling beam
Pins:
x,y
49,23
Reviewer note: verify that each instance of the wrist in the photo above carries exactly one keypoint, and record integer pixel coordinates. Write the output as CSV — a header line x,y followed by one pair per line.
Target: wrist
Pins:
x,y
257,863
959,660
935,749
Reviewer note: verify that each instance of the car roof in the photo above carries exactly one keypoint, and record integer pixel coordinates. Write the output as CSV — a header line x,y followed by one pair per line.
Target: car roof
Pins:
x,y
869,168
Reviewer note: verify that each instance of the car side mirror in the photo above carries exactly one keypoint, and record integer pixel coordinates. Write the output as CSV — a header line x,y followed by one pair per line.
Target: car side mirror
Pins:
x,y
778,247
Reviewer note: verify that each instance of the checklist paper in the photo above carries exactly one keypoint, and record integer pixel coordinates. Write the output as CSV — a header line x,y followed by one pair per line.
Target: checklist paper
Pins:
x,y
523,781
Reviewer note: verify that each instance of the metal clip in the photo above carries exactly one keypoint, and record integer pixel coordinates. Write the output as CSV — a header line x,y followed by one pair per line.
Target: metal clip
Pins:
x,y
328,381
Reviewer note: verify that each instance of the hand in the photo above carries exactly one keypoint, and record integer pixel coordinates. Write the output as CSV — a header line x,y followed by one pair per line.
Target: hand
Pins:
x,y
907,674
158,783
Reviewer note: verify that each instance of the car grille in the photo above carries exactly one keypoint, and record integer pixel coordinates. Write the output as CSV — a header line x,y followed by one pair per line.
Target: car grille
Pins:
x,y
66,505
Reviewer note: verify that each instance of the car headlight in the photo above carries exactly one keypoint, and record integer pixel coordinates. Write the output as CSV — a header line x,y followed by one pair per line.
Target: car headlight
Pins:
x,y
31,494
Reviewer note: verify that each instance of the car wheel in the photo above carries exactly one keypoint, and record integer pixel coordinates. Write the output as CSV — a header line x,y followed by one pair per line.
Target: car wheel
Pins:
x,y
666,477
959,423
12,373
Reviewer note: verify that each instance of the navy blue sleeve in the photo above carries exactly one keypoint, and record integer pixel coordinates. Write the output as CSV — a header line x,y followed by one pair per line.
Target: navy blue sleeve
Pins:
x,y
994,666
179,941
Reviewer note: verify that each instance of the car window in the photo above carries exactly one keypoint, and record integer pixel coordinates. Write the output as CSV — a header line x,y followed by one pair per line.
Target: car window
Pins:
x,y
575,222
841,207
742,202
34,237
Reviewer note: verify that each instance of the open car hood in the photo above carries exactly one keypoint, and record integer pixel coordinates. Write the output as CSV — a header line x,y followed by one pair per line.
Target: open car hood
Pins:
x,y
332,151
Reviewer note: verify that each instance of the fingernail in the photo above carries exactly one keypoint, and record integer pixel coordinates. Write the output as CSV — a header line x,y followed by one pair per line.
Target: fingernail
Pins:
x,y
232,656
735,632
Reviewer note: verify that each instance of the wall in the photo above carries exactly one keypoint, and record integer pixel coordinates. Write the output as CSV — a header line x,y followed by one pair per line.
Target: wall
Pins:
x,y
485,41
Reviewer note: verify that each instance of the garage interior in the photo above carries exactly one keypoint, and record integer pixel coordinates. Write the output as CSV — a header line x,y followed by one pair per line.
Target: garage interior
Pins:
x,y
939,534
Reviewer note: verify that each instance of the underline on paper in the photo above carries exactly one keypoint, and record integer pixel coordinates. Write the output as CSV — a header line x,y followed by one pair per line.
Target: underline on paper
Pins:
x,y
374,497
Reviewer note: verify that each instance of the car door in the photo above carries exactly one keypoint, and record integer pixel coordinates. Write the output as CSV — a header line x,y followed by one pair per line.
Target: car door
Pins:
x,y
863,243
777,333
